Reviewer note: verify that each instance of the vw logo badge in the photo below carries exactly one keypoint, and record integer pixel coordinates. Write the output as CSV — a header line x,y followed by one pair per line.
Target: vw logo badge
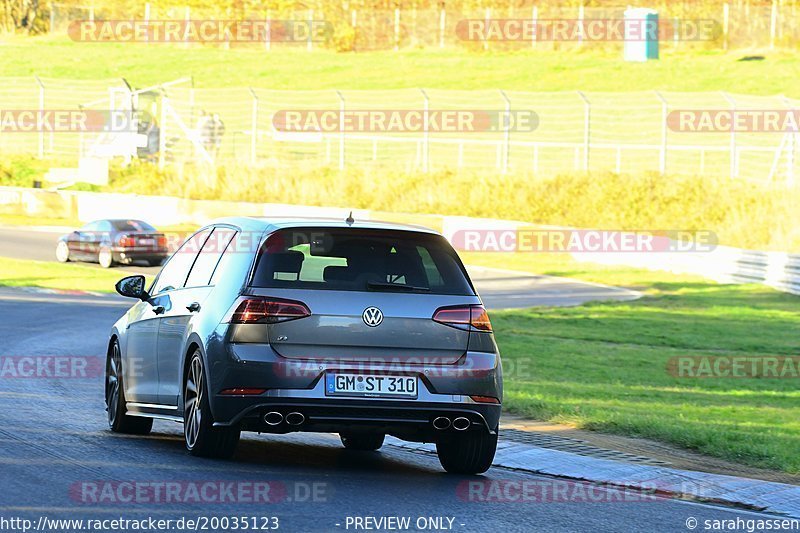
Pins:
x,y
372,316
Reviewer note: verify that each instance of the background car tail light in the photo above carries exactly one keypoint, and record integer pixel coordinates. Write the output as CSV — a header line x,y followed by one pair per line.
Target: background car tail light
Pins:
x,y
464,316
127,241
162,241
259,310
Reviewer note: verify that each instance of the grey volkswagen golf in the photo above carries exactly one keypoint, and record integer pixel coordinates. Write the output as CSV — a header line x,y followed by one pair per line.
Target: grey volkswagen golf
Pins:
x,y
364,329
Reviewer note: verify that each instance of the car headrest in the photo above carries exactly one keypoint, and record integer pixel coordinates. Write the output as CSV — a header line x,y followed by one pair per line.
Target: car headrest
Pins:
x,y
289,262
338,273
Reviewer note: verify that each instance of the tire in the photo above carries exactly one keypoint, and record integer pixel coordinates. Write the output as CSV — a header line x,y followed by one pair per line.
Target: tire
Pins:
x,y
365,442
105,257
470,453
201,437
62,252
116,406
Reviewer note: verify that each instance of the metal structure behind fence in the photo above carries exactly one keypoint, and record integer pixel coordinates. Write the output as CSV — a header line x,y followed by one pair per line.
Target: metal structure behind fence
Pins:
x,y
577,131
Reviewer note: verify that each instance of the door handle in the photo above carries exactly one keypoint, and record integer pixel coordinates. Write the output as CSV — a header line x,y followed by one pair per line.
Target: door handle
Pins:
x,y
159,309
193,307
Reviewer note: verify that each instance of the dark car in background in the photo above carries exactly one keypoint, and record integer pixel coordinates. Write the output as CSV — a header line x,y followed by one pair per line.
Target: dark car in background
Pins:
x,y
114,241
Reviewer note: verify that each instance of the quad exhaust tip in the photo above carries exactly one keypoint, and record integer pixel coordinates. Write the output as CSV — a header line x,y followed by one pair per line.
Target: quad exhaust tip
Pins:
x,y
295,419
461,423
441,423
273,418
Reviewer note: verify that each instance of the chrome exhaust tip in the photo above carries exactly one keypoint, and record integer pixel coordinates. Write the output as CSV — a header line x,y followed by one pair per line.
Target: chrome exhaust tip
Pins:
x,y
295,419
461,423
441,423
273,418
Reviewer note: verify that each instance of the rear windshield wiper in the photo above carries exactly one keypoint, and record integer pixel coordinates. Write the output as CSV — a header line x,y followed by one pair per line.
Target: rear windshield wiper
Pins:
x,y
375,285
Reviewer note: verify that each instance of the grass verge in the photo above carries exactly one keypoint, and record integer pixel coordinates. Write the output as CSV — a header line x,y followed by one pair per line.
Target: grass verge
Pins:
x,y
603,366
51,275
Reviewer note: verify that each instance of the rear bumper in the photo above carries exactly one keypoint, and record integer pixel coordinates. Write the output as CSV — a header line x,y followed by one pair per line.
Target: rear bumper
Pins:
x,y
299,386
126,255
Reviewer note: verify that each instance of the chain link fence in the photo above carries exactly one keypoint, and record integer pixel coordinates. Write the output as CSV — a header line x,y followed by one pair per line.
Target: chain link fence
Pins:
x,y
575,131
738,25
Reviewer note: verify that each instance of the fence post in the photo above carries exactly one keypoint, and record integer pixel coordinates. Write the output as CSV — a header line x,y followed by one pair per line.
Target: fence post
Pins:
x,y
587,106
487,18
253,127
792,145
725,21
268,32
442,15
341,130
734,166
147,19
773,23
506,132
354,24
41,110
162,131
397,28
52,17
310,41
662,164
580,24
426,131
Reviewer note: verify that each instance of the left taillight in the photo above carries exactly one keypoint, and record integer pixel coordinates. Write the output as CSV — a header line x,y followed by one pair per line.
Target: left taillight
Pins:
x,y
127,241
464,317
260,310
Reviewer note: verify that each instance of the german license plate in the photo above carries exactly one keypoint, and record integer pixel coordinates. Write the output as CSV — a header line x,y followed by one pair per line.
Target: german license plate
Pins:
x,y
337,384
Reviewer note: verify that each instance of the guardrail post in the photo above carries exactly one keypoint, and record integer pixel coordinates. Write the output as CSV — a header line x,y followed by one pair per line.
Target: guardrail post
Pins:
x,y
587,114
341,130
426,131
662,163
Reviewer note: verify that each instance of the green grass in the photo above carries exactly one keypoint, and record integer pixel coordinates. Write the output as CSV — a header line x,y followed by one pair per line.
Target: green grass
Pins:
x,y
589,70
70,276
602,366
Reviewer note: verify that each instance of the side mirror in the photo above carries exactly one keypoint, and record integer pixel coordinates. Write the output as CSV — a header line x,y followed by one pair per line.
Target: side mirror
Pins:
x,y
132,287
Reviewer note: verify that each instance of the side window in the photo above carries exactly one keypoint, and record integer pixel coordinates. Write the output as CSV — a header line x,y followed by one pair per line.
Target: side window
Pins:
x,y
91,226
209,257
174,273
232,248
105,226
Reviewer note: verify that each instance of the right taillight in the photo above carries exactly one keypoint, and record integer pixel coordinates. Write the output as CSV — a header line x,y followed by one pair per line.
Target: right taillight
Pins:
x,y
260,310
464,317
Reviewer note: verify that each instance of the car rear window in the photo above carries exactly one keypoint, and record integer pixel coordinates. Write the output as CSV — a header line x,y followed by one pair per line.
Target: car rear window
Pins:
x,y
360,260
132,225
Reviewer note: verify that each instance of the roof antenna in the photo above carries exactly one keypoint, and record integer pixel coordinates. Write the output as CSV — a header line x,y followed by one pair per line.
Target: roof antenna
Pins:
x,y
350,220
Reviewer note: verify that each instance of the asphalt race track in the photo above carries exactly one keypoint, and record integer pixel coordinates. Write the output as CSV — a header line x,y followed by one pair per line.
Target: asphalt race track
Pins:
x,y
57,458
